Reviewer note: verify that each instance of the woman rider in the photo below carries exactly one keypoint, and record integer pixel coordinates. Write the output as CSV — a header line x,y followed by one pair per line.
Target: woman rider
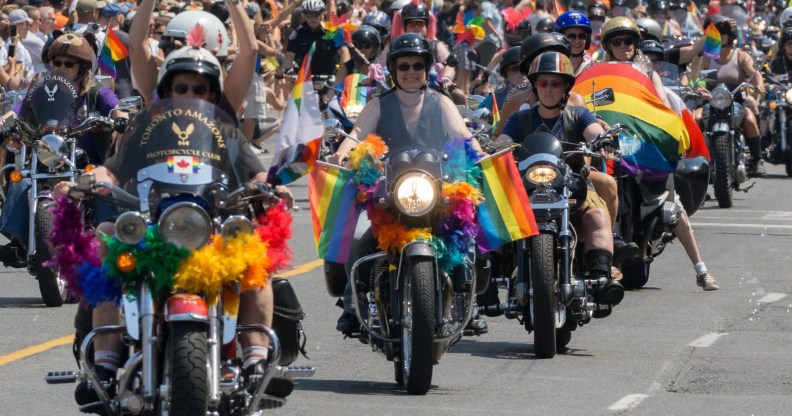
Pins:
x,y
552,77
577,29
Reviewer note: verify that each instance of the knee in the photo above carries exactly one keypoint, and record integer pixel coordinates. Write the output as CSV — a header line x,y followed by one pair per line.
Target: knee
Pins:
x,y
597,220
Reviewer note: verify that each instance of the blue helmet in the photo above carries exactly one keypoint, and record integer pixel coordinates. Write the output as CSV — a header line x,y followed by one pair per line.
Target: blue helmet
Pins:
x,y
574,18
380,21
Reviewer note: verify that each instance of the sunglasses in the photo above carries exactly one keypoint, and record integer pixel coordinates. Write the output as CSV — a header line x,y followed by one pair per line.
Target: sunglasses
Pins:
x,y
66,64
622,41
418,66
196,89
597,18
576,36
416,23
159,33
552,84
313,14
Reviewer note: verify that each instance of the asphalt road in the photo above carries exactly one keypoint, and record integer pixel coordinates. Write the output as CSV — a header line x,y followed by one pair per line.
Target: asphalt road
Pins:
x,y
668,349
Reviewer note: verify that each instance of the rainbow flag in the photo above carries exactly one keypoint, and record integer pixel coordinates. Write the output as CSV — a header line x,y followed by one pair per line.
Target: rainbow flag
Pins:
x,y
506,214
354,96
657,136
712,45
113,50
303,75
339,34
334,211
495,114
742,36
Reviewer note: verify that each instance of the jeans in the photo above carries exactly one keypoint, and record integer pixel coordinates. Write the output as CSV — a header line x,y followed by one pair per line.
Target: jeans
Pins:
x,y
14,217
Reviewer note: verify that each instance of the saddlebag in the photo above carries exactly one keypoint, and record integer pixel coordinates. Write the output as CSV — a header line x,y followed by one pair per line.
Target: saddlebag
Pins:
x,y
287,321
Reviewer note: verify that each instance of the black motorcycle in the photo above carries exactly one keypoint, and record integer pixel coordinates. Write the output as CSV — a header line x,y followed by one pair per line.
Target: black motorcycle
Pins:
x,y
778,104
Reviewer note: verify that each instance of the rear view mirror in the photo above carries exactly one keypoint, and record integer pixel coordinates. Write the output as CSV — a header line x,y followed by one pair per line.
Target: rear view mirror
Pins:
x,y
131,104
603,97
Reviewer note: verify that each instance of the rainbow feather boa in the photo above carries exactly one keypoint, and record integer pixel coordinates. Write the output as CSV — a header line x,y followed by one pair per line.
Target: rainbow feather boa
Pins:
x,y
246,259
457,228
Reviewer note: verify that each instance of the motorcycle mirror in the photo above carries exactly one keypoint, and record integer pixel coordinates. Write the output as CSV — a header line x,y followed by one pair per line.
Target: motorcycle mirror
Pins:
x,y
711,74
482,113
332,127
104,81
603,97
94,114
52,151
130,104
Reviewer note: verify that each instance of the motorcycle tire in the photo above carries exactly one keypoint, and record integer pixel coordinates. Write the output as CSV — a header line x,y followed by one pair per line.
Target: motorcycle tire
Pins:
x,y
724,165
635,275
788,155
51,286
186,369
418,308
544,301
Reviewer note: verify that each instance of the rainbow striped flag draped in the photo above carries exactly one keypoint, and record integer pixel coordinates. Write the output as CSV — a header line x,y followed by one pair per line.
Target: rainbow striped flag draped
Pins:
x,y
301,130
657,136
506,214
113,50
334,211
712,45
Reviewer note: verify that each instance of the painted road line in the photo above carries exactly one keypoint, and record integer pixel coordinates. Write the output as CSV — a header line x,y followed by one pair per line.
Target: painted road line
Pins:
x,y
731,225
707,340
35,349
771,297
27,352
628,402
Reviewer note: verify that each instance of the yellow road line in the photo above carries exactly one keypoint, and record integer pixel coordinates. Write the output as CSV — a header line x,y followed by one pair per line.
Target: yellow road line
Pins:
x,y
35,349
27,352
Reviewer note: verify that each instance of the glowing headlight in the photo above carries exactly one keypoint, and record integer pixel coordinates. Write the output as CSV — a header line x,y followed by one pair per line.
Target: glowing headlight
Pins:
x,y
721,98
415,194
130,228
235,225
541,174
788,96
185,225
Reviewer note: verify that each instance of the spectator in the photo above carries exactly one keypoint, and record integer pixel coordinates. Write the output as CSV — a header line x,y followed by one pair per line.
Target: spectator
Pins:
x,y
47,24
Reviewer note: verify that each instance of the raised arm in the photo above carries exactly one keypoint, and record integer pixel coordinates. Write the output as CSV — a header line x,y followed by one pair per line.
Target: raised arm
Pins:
x,y
145,68
240,75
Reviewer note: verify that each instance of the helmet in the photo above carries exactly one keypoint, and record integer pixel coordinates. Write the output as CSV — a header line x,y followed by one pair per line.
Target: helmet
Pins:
x,y
190,60
624,3
398,5
379,20
786,35
723,24
413,11
652,47
367,35
649,28
316,6
619,26
786,17
510,57
579,5
216,35
538,43
73,46
553,63
573,19
545,25
519,34
409,44
658,6
678,5
598,4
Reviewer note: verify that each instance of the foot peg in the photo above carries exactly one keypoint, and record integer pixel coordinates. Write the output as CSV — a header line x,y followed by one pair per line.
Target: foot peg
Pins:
x,y
268,402
298,372
61,377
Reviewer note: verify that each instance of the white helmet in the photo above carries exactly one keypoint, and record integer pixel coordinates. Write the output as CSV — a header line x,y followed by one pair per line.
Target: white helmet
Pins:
x,y
312,6
399,4
190,60
216,35
786,17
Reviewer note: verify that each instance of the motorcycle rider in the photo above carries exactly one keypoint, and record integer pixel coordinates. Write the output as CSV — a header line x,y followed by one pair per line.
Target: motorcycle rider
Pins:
x,y
782,64
73,57
416,116
514,81
552,77
577,29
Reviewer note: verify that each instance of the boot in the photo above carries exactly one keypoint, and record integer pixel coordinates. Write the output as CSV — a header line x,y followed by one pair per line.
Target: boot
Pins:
x,y
599,267
756,167
623,250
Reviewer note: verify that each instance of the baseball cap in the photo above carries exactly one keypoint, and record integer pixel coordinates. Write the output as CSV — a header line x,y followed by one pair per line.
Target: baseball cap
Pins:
x,y
60,21
19,16
89,5
114,9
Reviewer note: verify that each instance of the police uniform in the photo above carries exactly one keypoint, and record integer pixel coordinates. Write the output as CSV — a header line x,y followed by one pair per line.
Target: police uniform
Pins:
x,y
325,57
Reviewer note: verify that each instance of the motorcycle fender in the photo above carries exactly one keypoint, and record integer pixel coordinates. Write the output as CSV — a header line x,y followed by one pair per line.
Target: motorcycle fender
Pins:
x,y
720,127
418,249
132,317
186,307
548,227
230,314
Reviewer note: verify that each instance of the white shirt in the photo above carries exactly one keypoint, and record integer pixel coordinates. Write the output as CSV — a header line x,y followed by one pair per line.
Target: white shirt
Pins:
x,y
23,58
34,45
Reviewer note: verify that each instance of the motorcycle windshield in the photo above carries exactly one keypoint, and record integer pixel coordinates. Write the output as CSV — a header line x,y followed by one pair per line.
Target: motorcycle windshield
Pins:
x,y
53,103
183,146
668,72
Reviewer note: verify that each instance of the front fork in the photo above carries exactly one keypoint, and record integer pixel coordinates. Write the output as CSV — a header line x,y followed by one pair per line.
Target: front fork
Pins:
x,y
782,121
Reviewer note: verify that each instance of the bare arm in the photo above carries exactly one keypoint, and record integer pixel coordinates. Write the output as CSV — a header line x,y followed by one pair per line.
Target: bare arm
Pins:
x,y
240,75
283,14
753,76
687,53
658,84
145,68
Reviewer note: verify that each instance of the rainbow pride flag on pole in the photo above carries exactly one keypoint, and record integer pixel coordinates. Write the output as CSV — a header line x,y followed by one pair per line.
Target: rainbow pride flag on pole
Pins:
x,y
113,50
334,211
712,45
495,114
354,96
506,214
300,133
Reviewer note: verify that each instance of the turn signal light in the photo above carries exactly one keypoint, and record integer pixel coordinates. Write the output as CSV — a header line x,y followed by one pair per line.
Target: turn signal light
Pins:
x,y
773,105
15,176
126,262
89,168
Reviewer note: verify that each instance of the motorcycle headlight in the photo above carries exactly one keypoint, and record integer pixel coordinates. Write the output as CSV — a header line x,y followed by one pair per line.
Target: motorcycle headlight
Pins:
x,y
788,96
541,174
130,228
235,225
185,225
415,193
721,98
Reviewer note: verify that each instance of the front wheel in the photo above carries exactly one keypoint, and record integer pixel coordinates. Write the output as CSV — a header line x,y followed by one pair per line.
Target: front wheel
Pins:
x,y
418,327
186,369
544,299
636,275
724,165
788,153
51,286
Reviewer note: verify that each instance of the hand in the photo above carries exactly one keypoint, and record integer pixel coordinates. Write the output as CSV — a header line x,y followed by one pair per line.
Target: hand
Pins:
x,y
705,94
446,83
336,159
63,188
285,194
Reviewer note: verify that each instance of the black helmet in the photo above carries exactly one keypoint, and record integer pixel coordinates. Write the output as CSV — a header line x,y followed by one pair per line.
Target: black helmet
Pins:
x,y
579,5
379,20
509,58
414,12
409,44
367,35
624,3
542,42
723,24
597,4
545,25
649,28
786,35
678,5
658,6
652,47
519,34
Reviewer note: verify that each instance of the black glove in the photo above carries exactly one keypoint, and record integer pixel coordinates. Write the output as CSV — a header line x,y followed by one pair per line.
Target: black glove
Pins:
x,y
120,124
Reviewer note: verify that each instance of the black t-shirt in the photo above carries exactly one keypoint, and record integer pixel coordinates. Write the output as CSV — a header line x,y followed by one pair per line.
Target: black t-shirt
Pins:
x,y
325,57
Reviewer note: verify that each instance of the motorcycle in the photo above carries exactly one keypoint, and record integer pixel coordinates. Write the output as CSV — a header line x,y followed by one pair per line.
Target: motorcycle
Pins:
x,y
779,100
723,116
174,249
46,131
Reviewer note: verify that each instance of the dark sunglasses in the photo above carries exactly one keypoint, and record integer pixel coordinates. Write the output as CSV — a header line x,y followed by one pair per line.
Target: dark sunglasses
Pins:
x,y
159,33
552,84
196,89
418,66
623,41
597,18
576,36
418,23
66,64
313,14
